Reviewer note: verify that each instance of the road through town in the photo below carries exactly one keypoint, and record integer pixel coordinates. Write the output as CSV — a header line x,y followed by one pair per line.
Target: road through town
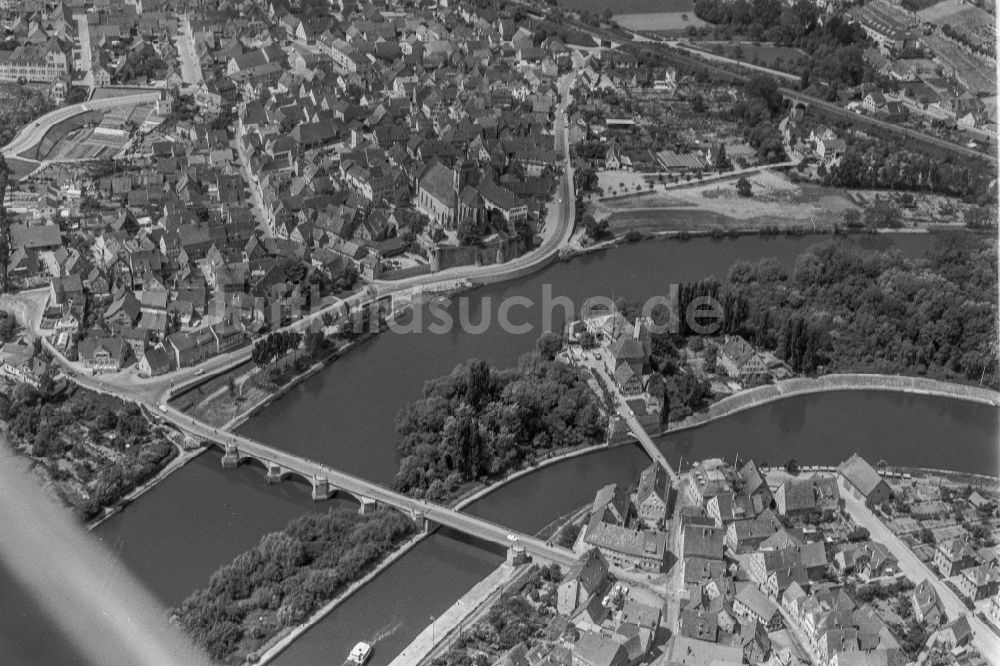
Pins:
x,y
987,642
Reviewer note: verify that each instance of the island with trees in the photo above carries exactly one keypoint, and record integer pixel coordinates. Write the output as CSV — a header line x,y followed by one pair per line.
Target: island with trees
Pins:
x,y
286,578
481,423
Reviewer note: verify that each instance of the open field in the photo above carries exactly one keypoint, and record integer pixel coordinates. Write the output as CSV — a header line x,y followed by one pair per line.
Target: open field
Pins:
x,y
972,21
621,7
107,93
660,21
783,58
775,202
21,167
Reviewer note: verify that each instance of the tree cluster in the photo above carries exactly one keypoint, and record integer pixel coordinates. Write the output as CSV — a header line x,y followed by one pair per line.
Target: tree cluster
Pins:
x,y
874,163
835,46
758,113
53,426
274,346
853,310
288,576
482,422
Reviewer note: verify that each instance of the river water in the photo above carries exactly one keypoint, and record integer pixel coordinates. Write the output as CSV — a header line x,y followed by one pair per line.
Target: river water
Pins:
x,y
176,535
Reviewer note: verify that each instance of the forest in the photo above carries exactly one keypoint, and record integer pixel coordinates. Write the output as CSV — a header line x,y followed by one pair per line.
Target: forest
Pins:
x,y
287,577
481,422
835,47
846,309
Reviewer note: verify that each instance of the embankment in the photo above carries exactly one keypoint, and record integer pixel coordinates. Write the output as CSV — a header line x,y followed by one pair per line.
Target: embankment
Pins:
x,y
788,388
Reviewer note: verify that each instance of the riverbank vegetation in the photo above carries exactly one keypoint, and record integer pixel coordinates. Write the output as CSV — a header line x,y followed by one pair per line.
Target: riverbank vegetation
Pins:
x,y
523,614
92,449
845,309
480,423
286,578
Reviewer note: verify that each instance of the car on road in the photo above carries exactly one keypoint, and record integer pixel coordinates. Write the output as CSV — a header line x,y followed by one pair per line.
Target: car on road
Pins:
x,y
163,408
511,537
199,372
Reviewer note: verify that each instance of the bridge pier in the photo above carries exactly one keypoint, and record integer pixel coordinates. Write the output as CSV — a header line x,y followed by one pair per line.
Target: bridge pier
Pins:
x,y
321,489
231,458
516,555
423,522
367,506
274,473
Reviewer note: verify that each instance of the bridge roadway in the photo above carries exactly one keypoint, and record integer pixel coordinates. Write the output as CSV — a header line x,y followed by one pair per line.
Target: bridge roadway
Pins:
x,y
326,481
626,413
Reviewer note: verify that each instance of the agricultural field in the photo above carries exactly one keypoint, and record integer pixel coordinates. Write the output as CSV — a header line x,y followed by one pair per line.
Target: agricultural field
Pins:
x,y
664,22
975,73
623,7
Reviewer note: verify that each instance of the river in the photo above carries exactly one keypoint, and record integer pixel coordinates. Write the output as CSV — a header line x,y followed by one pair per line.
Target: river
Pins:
x,y
201,517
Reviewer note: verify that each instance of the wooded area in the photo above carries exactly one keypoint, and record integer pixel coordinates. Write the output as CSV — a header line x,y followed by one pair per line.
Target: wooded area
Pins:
x,y
480,422
287,577
845,309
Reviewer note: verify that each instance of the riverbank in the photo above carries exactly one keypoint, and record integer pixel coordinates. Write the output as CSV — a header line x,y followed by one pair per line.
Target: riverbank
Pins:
x,y
183,457
281,642
286,640
441,633
94,452
762,395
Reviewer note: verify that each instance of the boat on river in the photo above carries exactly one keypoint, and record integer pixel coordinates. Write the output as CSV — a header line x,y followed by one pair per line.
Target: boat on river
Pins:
x,y
360,654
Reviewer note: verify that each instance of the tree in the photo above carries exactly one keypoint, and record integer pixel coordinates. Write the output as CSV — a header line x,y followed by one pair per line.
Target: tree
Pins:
x,y
851,218
980,217
594,229
722,161
792,466
470,232
743,187
882,214
549,344
8,327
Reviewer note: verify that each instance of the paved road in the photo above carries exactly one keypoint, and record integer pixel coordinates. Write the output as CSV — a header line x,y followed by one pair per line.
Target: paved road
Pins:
x,y
626,413
32,134
186,51
83,31
987,642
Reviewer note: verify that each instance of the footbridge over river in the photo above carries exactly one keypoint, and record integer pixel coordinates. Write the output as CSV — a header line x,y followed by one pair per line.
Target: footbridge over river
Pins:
x,y
327,481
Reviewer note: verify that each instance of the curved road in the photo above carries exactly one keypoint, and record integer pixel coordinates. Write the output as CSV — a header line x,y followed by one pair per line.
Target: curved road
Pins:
x,y
31,134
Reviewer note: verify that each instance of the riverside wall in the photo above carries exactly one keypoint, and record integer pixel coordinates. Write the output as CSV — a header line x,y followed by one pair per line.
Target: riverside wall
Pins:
x,y
761,395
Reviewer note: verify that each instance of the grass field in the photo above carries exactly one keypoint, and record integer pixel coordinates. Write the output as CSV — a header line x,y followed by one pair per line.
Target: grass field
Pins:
x,y
784,58
623,7
667,22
